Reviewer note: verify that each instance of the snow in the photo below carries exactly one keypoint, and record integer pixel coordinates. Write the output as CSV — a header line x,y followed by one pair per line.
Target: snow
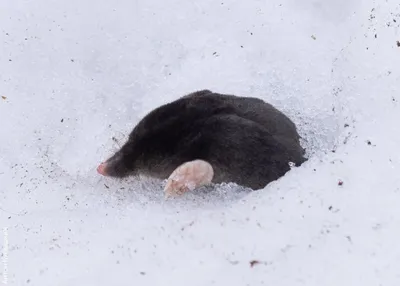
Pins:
x,y
76,76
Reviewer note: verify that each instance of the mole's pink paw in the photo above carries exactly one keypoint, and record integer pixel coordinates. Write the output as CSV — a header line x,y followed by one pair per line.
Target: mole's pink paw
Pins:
x,y
188,177
101,169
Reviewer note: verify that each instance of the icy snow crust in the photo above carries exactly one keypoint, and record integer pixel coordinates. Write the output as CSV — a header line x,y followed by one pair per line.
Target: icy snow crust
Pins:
x,y
76,76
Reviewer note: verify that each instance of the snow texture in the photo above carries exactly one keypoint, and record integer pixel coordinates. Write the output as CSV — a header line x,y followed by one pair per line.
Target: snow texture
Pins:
x,y
76,76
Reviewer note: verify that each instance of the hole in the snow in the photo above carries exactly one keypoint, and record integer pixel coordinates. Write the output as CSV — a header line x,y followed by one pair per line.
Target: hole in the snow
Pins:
x,y
317,122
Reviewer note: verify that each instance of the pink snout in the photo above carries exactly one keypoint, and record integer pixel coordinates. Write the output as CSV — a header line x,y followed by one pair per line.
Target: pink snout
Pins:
x,y
101,169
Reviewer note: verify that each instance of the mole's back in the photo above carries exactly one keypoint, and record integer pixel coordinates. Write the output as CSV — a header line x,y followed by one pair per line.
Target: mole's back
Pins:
x,y
257,110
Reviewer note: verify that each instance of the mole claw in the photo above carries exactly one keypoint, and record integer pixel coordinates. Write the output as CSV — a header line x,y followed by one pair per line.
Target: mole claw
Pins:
x,y
188,177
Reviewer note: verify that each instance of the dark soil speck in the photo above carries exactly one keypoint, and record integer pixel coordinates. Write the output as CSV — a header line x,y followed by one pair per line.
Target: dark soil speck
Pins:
x,y
254,262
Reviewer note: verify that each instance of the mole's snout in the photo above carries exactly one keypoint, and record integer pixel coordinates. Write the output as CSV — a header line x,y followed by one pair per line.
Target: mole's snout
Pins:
x,y
101,169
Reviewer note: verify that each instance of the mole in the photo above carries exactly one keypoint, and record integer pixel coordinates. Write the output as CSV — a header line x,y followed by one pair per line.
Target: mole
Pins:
x,y
206,137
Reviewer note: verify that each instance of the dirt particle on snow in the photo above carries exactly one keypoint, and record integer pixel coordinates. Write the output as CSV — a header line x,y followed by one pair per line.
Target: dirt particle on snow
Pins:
x,y
254,262
184,227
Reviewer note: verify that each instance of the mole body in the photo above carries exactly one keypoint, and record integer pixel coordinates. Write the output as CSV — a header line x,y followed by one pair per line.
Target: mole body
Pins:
x,y
206,137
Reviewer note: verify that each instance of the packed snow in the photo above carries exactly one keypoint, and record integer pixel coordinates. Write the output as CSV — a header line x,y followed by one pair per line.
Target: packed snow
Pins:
x,y
75,78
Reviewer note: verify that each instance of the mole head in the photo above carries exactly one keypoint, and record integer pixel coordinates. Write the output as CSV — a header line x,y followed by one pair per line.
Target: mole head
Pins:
x,y
120,165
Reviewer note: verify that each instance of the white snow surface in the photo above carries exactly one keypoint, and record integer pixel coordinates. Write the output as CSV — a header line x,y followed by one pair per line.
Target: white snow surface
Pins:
x,y
76,76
